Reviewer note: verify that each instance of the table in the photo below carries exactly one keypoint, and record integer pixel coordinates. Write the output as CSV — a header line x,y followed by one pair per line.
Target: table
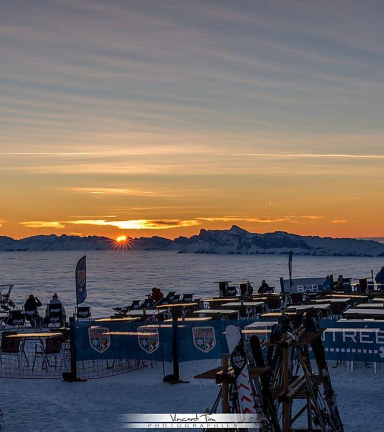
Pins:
x,y
194,319
365,312
277,314
261,324
310,306
217,302
175,305
352,296
141,312
374,305
245,303
124,319
34,335
361,320
224,312
256,331
338,306
220,299
332,300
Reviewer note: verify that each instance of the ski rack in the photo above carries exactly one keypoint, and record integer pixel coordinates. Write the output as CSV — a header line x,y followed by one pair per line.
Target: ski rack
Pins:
x,y
225,375
288,387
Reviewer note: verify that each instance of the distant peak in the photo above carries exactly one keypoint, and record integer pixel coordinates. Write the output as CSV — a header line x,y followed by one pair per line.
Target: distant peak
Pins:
x,y
237,230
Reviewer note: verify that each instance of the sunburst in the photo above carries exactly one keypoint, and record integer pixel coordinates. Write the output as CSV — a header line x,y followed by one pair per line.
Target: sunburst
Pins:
x,y
122,242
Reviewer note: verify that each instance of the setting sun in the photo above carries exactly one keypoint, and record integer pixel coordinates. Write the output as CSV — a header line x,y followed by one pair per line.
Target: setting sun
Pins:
x,y
121,239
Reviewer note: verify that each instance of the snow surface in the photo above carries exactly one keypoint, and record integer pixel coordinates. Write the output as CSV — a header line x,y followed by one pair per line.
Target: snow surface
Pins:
x,y
97,405
115,277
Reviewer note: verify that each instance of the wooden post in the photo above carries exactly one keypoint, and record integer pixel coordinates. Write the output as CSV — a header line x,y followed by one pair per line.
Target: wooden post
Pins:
x,y
224,386
309,414
287,402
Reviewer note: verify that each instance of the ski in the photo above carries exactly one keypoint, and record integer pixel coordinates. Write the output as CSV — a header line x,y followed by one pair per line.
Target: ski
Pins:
x,y
239,363
267,399
322,366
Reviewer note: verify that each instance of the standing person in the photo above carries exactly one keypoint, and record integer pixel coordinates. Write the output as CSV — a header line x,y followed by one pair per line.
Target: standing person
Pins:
x,y
59,305
31,310
264,287
380,276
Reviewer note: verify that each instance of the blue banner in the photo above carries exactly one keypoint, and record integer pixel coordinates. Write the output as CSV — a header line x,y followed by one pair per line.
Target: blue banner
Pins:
x,y
114,339
117,339
81,280
304,285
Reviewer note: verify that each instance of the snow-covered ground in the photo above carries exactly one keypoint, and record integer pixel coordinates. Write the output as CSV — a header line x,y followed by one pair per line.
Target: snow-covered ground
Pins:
x,y
114,278
97,405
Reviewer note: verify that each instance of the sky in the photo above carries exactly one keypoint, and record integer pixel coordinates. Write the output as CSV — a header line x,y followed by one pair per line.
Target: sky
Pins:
x,y
165,117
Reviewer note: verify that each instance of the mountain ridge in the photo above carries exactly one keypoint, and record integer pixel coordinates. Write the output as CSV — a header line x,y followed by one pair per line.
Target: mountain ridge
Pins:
x,y
235,240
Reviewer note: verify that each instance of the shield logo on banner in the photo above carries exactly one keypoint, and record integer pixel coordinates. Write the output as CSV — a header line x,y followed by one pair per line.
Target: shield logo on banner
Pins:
x,y
99,338
148,338
81,277
204,338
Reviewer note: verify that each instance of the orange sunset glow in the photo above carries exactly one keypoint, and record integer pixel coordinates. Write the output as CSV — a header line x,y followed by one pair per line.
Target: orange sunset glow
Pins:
x,y
154,124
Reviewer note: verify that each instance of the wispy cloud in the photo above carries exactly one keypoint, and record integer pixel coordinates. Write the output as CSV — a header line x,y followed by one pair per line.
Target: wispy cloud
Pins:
x,y
306,155
312,217
58,154
44,224
266,220
108,191
139,224
162,224
339,221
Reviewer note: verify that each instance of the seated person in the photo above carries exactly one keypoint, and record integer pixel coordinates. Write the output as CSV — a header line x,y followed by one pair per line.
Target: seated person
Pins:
x,y
264,287
55,302
380,276
157,295
31,310
340,283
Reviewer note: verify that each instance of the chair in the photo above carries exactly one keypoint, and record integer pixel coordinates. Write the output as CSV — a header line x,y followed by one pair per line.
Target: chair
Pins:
x,y
273,303
347,286
32,315
145,303
363,284
55,316
133,305
371,286
83,312
187,298
15,319
13,346
246,289
52,348
297,299
168,299
231,291
176,298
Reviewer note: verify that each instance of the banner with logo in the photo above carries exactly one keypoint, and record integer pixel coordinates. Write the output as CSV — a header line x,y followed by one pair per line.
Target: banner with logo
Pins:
x,y
113,339
303,285
81,280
